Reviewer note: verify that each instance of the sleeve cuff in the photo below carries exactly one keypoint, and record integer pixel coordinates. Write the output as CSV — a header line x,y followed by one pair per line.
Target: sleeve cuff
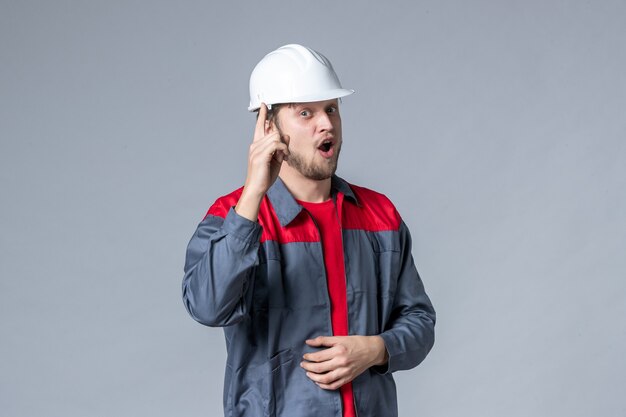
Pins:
x,y
388,367
242,228
383,369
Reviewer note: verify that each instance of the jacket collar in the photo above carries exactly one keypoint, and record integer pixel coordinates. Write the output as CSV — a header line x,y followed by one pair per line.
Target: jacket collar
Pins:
x,y
287,208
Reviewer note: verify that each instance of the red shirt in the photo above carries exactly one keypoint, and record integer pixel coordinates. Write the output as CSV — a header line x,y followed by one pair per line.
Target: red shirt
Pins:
x,y
327,220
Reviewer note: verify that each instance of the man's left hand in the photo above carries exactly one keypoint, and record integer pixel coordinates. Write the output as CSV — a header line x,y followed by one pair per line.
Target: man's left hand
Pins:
x,y
345,358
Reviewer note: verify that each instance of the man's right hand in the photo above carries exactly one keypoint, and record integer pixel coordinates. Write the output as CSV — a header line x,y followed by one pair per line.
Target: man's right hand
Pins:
x,y
267,153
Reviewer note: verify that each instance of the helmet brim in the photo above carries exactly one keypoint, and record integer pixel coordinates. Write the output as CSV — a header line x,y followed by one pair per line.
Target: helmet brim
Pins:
x,y
309,98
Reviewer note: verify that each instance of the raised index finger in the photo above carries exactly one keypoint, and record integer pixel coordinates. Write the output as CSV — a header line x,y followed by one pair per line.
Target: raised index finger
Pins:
x,y
259,130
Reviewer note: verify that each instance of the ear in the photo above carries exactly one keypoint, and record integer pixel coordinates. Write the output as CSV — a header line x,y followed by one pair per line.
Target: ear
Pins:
x,y
270,126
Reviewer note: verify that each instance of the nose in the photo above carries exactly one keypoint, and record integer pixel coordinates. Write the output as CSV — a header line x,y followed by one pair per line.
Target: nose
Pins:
x,y
324,123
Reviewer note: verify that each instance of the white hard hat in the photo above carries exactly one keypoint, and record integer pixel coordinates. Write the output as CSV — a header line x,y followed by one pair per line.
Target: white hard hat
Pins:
x,y
293,74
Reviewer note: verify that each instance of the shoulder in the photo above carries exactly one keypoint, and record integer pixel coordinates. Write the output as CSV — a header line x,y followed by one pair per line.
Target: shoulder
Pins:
x,y
374,211
222,205
369,197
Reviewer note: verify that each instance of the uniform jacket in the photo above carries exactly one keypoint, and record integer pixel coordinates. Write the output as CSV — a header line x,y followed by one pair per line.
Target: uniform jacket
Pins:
x,y
265,284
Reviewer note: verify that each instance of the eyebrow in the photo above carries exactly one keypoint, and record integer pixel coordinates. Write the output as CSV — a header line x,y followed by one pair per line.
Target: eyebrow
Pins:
x,y
300,106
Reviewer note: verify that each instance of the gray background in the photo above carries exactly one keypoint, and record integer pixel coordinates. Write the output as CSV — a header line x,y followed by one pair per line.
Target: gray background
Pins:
x,y
497,128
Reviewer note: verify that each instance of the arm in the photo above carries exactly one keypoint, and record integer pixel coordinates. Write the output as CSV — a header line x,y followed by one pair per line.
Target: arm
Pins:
x,y
223,252
219,268
267,152
406,340
410,331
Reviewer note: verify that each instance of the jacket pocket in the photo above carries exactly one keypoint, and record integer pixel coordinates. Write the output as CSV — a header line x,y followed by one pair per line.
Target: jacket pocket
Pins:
x,y
249,391
281,367
375,394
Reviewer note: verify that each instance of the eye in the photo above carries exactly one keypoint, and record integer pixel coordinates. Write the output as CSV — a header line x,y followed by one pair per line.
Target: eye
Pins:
x,y
305,113
331,109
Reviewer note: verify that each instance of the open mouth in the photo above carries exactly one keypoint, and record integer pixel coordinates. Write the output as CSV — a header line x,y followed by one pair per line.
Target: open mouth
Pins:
x,y
325,147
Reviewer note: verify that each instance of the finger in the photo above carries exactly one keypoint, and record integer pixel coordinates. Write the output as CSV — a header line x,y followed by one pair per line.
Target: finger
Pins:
x,y
279,145
320,356
280,155
329,380
321,341
319,367
259,130
270,149
283,156
285,140
270,137
334,386
265,144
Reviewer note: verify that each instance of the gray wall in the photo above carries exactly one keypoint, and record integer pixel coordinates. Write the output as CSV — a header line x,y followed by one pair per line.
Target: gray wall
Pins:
x,y
496,127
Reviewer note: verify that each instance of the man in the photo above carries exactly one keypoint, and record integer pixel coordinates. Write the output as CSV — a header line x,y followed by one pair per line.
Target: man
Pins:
x,y
312,278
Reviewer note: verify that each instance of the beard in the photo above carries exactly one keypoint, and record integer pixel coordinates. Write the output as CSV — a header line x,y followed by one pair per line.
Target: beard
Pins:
x,y
315,171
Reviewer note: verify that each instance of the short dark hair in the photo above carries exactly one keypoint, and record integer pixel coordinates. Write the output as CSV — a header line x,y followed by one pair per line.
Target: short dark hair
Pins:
x,y
272,114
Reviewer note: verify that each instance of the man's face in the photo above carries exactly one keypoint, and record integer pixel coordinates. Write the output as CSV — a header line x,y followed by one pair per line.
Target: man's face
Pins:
x,y
314,131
